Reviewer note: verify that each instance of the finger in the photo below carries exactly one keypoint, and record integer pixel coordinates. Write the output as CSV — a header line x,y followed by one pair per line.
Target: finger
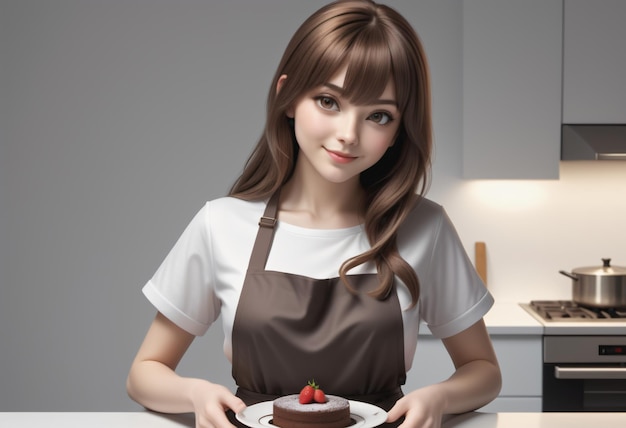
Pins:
x,y
220,420
396,411
411,422
234,403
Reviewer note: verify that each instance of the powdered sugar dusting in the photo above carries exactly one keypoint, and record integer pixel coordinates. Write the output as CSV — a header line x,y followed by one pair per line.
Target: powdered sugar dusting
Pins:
x,y
291,402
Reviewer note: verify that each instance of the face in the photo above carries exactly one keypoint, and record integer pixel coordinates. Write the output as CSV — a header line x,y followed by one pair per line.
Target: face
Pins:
x,y
338,139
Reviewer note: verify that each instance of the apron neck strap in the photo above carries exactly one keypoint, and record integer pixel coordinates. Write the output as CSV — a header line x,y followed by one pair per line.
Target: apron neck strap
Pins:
x,y
265,235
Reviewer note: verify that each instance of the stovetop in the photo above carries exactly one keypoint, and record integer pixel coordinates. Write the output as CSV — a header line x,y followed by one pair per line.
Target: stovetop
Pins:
x,y
568,311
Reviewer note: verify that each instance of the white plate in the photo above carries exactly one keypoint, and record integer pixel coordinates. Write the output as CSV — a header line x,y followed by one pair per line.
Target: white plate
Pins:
x,y
365,415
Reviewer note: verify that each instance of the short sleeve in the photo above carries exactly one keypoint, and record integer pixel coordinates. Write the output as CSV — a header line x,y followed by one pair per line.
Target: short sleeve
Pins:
x,y
456,297
182,288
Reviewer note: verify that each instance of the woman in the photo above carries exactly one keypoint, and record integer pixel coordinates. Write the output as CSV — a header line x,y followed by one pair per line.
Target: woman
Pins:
x,y
323,259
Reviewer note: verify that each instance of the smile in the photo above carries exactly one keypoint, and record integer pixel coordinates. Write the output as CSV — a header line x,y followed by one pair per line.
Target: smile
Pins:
x,y
340,157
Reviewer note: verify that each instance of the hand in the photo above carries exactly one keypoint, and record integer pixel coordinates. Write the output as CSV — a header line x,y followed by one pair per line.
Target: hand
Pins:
x,y
210,402
422,408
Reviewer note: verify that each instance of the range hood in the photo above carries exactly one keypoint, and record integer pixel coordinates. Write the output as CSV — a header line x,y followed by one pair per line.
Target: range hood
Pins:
x,y
593,142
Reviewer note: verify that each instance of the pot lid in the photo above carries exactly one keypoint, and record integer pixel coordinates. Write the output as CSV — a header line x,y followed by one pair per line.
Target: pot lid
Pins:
x,y
605,270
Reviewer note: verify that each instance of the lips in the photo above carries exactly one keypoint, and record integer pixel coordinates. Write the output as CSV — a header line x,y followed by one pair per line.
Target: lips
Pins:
x,y
340,157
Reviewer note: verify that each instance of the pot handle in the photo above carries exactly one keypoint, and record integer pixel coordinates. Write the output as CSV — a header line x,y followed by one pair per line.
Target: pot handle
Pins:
x,y
570,275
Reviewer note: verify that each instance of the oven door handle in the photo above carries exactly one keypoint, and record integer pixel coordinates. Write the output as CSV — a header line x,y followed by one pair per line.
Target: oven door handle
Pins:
x,y
590,372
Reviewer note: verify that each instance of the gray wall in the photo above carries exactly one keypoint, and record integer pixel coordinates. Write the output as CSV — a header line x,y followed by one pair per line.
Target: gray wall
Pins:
x,y
118,119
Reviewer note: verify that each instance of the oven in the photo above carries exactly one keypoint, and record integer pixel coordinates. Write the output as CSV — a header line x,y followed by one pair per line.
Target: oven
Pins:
x,y
584,373
584,357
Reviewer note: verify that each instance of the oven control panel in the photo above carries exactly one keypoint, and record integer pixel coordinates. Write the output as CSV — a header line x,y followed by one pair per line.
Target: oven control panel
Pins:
x,y
584,349
612,349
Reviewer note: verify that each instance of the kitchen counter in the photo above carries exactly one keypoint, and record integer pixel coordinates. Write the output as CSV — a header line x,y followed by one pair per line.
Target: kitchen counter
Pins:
x,y
579,328
536,420
506,318
153,420
140,419
512,318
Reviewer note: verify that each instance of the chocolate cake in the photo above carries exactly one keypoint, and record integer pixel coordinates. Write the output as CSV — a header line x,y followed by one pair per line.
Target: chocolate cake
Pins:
x,y
289,413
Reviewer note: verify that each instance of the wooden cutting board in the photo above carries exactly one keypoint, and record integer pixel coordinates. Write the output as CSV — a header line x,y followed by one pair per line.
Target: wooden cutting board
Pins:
x,y
480,260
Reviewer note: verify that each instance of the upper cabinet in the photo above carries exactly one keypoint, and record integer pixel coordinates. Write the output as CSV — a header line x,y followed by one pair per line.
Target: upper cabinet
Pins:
x,y
594,62
512,75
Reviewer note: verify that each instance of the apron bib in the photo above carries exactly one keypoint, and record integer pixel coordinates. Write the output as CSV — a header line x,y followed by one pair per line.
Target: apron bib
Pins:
x,y
290,329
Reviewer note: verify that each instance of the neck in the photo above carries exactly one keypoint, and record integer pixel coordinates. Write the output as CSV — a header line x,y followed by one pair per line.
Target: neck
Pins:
x,y
321,204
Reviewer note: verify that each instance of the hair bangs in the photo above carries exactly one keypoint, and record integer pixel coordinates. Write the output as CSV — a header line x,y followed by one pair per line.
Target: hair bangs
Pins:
x,y
369,67
354,40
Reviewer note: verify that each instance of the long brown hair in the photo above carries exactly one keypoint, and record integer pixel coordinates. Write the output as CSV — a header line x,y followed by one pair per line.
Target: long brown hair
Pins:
x,y
376,44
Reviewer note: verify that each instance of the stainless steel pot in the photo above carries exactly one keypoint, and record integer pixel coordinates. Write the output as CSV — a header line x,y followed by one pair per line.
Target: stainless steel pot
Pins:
x,y
601,287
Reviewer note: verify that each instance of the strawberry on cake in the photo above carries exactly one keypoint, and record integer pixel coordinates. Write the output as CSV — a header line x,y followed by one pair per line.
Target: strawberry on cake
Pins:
x,y
311,408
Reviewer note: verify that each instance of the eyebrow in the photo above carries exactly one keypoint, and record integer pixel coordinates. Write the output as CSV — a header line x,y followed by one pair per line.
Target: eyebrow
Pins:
x,y
378,101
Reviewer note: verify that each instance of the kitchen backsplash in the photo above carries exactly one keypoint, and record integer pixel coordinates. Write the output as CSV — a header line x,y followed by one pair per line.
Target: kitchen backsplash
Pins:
x,y
533,229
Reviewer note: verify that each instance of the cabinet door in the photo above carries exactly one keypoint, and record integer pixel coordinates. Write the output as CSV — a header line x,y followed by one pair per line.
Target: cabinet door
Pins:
x,y
520,358
594,61
512,54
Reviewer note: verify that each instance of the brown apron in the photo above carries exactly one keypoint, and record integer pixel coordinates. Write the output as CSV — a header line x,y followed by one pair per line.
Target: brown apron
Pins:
x,y
290,329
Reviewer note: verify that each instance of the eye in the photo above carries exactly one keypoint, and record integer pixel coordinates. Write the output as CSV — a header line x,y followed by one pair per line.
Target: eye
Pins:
x,y
381,118
327,103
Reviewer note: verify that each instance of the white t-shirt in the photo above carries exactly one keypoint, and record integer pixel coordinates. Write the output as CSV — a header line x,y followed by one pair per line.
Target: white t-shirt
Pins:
x,y
202,276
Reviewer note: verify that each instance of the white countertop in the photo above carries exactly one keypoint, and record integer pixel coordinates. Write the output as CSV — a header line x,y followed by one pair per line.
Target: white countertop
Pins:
x,y
506,318
511,318
95,420
537,420
579,327
153,420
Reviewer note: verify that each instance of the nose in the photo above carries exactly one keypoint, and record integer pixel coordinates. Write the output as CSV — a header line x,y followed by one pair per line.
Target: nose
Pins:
x,y
347,129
